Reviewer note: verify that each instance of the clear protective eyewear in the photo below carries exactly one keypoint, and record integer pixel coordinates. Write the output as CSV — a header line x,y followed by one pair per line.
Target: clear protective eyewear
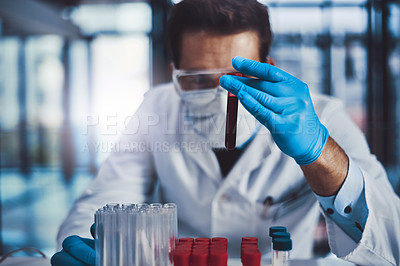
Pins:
x,y
195,80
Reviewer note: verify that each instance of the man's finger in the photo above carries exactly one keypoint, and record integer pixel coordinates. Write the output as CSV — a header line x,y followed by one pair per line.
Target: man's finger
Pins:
x,y
93,230
80,249
262,114
261,85
62,258
234,84
260,70
278,105
230,84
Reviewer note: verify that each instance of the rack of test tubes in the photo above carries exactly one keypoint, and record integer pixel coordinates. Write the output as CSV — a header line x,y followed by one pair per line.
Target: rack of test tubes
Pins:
x,y
136,234
146,234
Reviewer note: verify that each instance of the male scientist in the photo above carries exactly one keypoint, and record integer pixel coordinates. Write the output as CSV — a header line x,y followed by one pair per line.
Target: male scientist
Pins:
x,y
296,154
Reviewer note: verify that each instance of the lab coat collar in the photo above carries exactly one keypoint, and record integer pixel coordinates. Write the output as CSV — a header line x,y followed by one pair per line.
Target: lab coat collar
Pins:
x,y
199,153
254,151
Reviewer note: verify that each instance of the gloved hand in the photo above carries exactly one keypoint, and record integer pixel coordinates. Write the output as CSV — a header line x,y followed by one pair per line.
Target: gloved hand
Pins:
x,y
77,251
283,104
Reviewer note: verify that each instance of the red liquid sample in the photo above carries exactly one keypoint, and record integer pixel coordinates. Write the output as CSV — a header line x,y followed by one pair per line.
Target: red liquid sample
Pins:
x,y
202,252
231,119
250,255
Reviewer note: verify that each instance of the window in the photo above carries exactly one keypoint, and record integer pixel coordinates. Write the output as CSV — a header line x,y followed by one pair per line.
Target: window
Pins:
x,y
63,103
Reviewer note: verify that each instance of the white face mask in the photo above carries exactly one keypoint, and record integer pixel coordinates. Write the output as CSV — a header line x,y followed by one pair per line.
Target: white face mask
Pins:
x,y
205,112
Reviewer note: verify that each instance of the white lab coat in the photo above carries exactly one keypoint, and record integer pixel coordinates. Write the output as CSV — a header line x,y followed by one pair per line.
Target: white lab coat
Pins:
x,y
210,205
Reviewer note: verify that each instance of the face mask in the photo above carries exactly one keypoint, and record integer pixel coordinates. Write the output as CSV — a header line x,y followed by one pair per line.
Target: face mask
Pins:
x,y
205,113
203,103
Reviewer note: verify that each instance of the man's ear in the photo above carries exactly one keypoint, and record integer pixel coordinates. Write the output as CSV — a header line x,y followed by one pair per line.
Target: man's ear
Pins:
x,y
271,61
171,68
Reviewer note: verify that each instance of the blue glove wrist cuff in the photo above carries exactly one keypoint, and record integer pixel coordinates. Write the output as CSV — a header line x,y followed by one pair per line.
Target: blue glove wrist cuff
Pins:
x,y
316,149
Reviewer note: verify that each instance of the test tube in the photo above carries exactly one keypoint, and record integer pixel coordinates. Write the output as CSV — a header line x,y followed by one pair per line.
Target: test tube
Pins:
x,y
171,230
281,256
275,229
218,257
199,258
155,232
131,244
249,253
144,251
231,119
114,251
99,236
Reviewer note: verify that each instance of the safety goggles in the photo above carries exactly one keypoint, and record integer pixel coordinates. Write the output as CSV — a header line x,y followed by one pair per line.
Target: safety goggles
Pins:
x,y
195,80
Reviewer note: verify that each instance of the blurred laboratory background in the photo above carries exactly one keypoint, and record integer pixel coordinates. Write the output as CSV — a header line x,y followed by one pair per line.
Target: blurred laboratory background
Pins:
x,y
72,72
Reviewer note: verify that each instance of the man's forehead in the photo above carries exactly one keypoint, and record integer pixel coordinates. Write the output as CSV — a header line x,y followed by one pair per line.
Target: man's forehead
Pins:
x,y
204,50
215,35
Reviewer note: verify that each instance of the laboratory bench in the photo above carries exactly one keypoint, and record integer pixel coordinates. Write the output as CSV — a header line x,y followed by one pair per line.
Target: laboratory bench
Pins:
x,y
23,261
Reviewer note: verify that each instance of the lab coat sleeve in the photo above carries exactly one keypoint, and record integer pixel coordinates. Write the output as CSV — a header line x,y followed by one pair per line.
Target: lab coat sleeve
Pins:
x,y
380,240
127,176
348,208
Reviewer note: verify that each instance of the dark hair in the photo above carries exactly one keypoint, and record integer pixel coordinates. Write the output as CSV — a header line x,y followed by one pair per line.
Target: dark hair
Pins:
x,y
221,17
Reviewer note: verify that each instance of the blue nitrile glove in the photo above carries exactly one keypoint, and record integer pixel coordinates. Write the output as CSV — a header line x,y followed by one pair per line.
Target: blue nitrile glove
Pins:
x,y
283,104
77,251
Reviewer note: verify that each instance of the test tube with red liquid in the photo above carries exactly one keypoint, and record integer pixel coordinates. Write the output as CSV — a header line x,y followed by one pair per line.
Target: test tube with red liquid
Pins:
x,y
201,251
250,255
231,118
